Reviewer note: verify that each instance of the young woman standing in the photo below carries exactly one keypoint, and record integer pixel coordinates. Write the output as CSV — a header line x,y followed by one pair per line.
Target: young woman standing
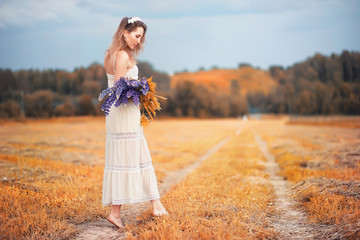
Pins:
x,y
129,176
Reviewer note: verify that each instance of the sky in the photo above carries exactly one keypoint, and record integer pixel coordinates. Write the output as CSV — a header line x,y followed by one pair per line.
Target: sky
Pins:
x,y
182,34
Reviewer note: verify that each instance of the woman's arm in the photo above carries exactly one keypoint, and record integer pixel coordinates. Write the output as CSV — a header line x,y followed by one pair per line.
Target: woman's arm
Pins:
x,y
121,64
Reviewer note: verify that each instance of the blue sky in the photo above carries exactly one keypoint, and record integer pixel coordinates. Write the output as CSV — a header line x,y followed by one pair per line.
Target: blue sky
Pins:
x,y
184,34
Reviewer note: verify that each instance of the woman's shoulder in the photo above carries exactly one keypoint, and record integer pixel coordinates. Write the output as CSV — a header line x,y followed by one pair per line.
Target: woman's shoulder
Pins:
x,y
122,55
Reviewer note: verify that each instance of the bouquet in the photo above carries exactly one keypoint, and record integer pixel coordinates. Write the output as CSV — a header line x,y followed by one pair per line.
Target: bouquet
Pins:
x,y
140,91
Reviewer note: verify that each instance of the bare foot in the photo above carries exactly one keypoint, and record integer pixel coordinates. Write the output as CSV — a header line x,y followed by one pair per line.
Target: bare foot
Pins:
x,y
158,208
116,221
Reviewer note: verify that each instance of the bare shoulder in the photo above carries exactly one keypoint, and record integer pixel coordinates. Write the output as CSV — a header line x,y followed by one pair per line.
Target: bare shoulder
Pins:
x,y
122,56
122,59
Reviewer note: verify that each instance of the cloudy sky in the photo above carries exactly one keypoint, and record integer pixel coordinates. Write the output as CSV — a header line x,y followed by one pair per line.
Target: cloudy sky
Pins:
x,y
183,34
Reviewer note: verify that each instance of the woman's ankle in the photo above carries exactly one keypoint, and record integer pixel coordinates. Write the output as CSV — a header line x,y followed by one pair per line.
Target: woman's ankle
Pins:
x,y
115,211
155,201
114,217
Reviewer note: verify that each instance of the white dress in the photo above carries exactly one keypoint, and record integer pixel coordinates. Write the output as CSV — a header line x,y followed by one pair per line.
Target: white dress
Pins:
x,y
129,176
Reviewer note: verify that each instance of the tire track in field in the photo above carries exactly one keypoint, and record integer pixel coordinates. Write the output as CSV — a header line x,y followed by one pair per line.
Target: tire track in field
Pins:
x,y
291,223
102,229
175,177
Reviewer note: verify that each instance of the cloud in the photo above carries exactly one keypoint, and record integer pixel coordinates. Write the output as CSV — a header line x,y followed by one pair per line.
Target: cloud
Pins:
x,y
260,39
25,13
182,34
29,12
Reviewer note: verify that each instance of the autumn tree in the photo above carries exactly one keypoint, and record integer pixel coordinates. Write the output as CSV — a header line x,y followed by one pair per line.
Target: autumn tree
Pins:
x,y
38,104
9,109
65,109
85,105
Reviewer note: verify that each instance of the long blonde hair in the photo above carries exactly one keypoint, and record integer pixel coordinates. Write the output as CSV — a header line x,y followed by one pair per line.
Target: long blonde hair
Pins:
x,y
119,43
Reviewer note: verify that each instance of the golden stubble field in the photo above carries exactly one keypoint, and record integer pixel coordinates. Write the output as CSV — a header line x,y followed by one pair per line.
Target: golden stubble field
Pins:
x,y
51,179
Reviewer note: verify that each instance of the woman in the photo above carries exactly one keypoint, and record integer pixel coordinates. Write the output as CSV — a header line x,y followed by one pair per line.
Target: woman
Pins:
x,y
129,176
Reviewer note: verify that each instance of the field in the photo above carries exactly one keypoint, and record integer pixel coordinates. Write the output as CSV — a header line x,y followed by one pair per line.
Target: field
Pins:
x,y
219,179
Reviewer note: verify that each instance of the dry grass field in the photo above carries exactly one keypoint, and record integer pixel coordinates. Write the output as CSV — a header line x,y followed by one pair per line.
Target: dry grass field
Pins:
x,y
51,179
323,164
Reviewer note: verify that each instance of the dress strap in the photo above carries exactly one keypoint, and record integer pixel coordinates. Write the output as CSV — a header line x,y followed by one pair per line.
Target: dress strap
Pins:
x,y
114,63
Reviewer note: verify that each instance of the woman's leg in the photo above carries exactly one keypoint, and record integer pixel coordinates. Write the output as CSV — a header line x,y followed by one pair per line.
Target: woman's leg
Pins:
x,y
114,216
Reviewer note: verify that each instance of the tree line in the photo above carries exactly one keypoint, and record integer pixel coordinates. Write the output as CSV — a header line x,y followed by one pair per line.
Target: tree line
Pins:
x,y
50,93
319,85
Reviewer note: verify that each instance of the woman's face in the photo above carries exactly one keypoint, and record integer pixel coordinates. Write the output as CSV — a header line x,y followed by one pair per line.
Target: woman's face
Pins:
x,y
133,38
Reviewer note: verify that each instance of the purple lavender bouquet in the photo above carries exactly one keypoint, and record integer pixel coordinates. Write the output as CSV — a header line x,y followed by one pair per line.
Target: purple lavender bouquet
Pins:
x,y
123,90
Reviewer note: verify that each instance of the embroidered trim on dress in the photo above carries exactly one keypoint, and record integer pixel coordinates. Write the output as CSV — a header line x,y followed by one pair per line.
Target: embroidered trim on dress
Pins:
x,y
124,136
120,168
130,201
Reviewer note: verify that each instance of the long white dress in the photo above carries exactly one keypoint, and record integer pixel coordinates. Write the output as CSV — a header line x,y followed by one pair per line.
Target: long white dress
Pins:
x,y
129,176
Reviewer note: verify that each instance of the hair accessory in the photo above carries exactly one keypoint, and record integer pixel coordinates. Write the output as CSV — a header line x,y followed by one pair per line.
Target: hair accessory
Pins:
x,y
134,19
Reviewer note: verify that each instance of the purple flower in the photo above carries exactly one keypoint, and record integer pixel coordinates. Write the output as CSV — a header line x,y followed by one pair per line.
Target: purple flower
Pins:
x,y
104,93
120,87
123,90
144,86
144,81
135,95
107,104
134,83
122,99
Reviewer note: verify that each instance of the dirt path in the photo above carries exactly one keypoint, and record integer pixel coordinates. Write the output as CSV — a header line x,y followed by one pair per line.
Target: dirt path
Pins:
x,y
102,229
174,177
291,221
